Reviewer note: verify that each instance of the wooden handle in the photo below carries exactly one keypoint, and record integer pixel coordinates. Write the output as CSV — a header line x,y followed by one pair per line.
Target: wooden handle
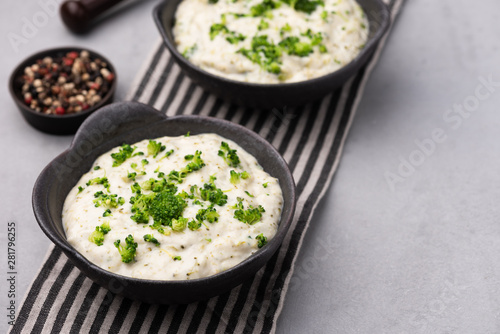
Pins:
x,y
78,15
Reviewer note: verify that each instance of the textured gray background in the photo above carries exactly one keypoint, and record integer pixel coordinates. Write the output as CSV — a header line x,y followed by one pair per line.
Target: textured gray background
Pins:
x,y
419,257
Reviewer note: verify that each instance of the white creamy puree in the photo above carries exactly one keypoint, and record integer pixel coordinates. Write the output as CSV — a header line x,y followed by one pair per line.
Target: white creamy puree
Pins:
x,y
341,23
204,252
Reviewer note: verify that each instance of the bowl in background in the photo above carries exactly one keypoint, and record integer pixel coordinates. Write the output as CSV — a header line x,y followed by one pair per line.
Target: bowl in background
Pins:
x,y
49,123
268,96
130,122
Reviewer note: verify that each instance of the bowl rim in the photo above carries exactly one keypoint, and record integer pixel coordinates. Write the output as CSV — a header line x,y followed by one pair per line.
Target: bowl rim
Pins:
x,y
47,52
40,199
383,26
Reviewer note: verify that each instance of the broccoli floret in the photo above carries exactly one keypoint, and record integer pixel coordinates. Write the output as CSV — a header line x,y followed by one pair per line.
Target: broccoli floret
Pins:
x,y
196,163
209,214
140,204
99,180
179,224
235,176
229,155
262,240
125,152
166,206
250,216
107,213
107,201
154,148
194,225
264,8
169,153
265,184
97,236
154,185
136,188
175,176
213,194
80,189
150,238
128,252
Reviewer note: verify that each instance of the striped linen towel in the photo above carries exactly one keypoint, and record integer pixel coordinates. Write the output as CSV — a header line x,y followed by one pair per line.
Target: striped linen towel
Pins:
x,y
310,138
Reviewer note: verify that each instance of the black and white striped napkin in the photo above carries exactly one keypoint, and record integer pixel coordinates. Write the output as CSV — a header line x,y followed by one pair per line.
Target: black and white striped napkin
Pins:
x,y
310,138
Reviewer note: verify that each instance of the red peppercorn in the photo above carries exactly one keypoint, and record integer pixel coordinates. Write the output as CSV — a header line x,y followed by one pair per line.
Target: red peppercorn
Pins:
x,y
28,100
60,110
110,77
85,106
73,55
68,61
95,86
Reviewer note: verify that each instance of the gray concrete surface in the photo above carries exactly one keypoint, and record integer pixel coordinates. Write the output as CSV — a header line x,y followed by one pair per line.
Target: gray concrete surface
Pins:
x,y
411,221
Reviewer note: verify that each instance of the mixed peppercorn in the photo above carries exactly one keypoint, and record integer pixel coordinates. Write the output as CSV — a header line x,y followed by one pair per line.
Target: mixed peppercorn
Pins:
x,y
67,84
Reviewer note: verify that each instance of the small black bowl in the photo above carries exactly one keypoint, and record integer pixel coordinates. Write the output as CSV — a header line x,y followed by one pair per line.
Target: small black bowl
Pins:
x,y
129,122
55,124
268,96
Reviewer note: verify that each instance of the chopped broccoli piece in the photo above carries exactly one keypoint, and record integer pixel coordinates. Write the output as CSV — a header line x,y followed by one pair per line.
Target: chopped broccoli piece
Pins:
x,y
264,9
136,188
194,225
179,224
97,167
154,148
80,189
285,28
169,153
175,176
131,176
107,213
265,184
250,216
246,192
263,25
150,238
99,180
305,6
196,163
324,15
262,240
211,193
176,258
216,29
264,53
157,185
97,236
188,52
235,176
140,204
107,201
209,214
293,46
128,252
229,155
125,152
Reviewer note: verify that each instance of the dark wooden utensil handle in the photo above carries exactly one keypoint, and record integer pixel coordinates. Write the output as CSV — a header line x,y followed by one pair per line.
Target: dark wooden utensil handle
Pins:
x,y
78,15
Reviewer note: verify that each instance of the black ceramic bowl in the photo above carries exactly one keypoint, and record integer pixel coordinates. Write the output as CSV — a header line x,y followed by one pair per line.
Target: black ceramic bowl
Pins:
x,y
55,124
129,122
270,96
